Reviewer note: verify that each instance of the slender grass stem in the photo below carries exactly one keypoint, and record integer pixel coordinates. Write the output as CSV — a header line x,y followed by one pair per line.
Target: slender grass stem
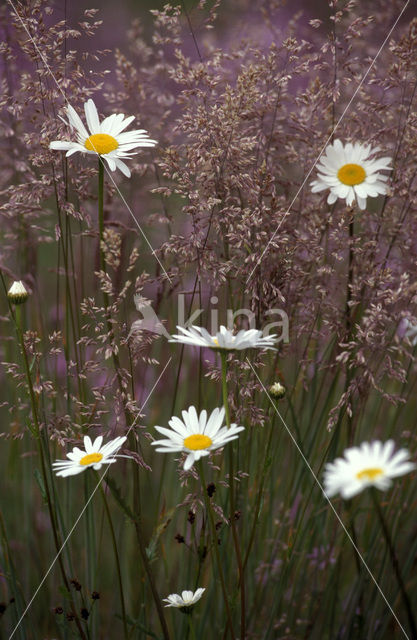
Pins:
x,y
348,315
101,211
241,568
148,570
215,546
266,464
191,627
37,437
395,565
116,557
137,521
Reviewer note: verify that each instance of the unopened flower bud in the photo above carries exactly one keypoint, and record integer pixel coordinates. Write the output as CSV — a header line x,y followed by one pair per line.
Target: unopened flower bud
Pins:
x,y
77,586
277,390
17,293
211,489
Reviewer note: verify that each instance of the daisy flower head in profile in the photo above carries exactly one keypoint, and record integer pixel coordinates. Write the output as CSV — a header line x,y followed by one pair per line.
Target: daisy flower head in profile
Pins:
x,y
196,435
224,340
108,138
351,173
184,602
94,455
372,464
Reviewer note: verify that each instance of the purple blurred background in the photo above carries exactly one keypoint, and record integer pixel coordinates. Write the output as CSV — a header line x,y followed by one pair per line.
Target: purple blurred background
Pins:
x,y
236,18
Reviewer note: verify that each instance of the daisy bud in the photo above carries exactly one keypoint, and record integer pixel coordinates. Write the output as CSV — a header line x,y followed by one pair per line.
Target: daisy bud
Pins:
x,y
17,293
277,390
211,489
77,586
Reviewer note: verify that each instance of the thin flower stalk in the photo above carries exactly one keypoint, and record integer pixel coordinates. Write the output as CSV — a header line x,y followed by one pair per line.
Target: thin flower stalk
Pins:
x,y
65,237
116,557
395,565
209,511
235,536
101,212
265,464
191,627
136,518
37,436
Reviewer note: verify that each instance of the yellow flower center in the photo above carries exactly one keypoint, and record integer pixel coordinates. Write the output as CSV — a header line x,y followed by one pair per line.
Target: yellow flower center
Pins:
x,y
101,143
351,174
91,458
369,474
197,441
216,341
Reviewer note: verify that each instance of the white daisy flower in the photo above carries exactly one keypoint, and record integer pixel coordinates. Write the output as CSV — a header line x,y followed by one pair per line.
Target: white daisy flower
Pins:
x,y
196,435
184,601
369,465
225,339
94,456
350,173
106,139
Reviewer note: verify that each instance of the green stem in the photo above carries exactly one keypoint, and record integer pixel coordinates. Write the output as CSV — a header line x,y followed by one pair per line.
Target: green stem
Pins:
x,y
101,211
232,504
142,546
37,435
116,362
136,519
148,570
267,462
215,545
107,310
395,565
348,314
116,555
191,627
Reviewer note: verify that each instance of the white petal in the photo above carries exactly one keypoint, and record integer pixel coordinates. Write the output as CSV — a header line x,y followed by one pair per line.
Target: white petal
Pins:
x,y
91,116
122,125
88,445
123,167
189,461
75,149
61,145
76,122
73,471
110,162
